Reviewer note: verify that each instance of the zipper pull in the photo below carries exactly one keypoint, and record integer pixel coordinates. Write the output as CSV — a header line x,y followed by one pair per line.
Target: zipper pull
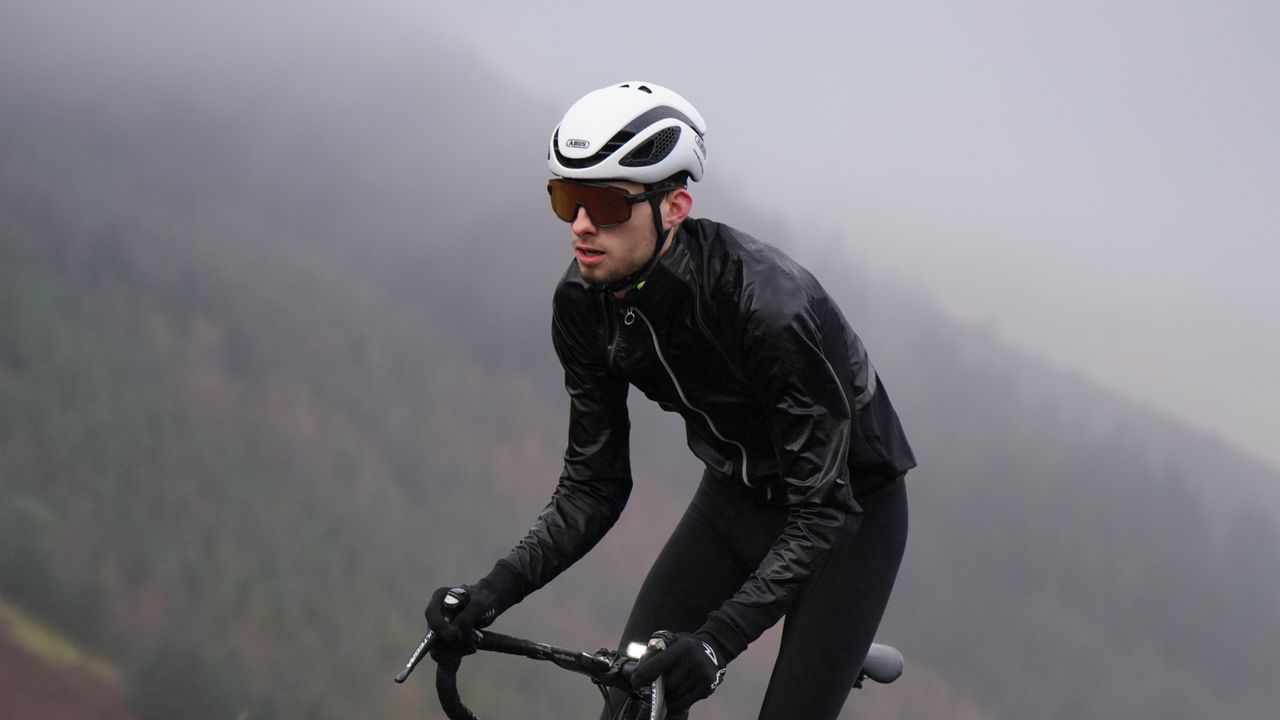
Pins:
x,y
630,317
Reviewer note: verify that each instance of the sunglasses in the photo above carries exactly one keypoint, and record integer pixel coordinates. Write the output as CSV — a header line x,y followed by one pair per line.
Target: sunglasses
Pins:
x,y
606,205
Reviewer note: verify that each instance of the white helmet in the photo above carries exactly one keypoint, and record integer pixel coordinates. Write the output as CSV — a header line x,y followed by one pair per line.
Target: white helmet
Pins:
x,y
635,131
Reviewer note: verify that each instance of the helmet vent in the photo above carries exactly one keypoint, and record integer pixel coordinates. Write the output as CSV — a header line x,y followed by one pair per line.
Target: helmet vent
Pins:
x,y
653,150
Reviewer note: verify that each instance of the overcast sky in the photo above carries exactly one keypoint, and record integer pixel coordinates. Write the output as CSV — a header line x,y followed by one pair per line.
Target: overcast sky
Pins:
x,y
1097,181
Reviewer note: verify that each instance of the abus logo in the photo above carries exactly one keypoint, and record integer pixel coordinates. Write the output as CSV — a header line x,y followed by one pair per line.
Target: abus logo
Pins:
x,y
576,143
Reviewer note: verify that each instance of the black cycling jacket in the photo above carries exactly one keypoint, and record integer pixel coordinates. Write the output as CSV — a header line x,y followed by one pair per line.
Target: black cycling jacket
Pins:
x,y
776,391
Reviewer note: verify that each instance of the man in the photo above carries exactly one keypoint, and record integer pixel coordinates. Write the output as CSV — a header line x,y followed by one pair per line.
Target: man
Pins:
x,y
801,511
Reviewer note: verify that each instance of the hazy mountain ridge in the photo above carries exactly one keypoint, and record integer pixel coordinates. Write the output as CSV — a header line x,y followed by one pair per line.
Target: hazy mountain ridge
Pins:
x,y
378,338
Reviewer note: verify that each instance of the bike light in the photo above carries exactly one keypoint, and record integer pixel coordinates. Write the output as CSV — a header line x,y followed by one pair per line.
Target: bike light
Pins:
x,y
636,650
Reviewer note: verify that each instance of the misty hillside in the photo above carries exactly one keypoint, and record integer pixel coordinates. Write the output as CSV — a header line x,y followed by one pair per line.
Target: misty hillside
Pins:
x,y
274,363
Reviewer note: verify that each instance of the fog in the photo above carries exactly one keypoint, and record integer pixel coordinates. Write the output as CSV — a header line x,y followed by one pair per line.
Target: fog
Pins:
x,y
274,286
1095,182
1092,182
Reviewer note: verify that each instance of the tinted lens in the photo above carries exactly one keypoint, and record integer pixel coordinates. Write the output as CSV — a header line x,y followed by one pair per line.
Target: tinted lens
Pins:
x,y
606,205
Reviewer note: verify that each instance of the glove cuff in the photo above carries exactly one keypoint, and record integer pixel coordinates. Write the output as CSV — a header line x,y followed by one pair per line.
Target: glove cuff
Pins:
x,y
722,637
505,586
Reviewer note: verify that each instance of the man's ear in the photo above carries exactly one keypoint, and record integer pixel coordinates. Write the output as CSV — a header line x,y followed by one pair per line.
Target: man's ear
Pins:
x,y
679,205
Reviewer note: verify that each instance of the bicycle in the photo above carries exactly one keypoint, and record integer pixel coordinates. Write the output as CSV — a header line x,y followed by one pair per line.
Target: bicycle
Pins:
x,y
605,668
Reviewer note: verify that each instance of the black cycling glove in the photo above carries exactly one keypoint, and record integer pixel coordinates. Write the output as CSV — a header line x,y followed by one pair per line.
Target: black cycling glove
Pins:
x,y
488,598
455,629
689,663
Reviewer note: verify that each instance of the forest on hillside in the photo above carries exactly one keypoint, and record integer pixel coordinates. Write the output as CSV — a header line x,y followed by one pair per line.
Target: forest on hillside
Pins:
x,y
269,373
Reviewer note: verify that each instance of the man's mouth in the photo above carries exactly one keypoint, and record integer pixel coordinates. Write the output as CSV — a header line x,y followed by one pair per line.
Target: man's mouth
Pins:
x,y
589,256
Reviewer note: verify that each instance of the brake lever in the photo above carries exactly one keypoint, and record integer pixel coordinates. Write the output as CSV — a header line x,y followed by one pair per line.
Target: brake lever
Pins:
x,y
453,602
657,700
420,652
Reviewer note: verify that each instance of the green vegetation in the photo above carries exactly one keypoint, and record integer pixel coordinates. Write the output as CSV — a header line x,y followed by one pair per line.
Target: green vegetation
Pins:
x,y
52,646
187,483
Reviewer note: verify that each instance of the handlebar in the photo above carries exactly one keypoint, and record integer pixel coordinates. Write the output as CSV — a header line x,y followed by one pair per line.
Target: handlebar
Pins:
x,y
605,668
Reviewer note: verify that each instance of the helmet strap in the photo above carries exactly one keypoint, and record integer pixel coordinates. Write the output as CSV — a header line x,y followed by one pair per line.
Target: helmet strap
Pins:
x,y
655,202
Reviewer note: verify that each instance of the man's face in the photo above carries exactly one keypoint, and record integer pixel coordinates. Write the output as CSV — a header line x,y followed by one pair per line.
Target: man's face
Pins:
x,y
609,254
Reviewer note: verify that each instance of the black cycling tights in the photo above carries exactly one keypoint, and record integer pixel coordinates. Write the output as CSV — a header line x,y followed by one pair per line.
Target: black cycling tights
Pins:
x,y
721,540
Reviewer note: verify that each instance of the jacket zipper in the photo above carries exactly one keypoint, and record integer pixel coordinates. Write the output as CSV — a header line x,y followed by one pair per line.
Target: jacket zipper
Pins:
x,y
630,318
614,331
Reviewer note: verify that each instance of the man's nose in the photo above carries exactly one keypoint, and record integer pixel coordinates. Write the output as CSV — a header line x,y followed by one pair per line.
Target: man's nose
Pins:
x,y
582,224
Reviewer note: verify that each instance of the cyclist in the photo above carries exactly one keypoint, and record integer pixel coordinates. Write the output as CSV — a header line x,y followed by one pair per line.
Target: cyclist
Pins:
x,y
801,511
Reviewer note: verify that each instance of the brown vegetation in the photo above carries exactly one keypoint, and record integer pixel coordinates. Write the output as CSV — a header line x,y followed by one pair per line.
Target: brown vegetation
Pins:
x,y
33,688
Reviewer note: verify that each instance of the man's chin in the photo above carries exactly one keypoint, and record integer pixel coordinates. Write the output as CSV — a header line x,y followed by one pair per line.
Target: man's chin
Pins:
x,y
597,276
600,277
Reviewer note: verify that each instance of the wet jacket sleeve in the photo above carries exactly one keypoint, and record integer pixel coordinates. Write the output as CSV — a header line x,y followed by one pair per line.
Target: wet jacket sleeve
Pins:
x,y
596,480
809,423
